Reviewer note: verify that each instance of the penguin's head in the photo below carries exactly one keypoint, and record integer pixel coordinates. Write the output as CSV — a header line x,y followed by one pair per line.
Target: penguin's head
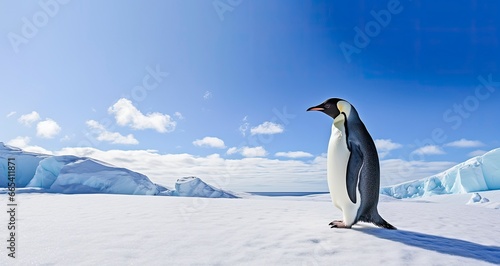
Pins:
x,y
333,107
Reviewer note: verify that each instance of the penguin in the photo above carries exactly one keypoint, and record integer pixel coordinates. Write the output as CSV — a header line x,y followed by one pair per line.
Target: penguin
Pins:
x,y
353,169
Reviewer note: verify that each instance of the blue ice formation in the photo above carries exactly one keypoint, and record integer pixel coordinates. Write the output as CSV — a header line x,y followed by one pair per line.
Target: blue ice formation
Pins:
x,y
480,173
82,175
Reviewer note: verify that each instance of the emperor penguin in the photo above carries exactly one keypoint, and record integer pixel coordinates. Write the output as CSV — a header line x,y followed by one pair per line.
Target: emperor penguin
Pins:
x,y
353,170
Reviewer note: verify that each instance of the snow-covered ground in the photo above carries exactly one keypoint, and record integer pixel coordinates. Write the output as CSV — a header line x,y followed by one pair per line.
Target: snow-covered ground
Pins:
x,y
99,229
209,226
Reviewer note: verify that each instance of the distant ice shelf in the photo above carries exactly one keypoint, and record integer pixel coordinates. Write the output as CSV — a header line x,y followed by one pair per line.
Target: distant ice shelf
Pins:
x,y
82,175
480,173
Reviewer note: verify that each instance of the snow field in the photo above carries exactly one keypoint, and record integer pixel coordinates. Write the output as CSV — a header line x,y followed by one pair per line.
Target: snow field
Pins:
x,y
129,230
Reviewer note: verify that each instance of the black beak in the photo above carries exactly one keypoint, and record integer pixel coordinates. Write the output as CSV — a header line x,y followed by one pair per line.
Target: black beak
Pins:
x,y
316,108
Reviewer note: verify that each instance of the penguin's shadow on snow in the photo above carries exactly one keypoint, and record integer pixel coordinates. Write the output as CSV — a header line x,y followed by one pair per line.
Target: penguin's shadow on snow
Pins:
x,y
450,246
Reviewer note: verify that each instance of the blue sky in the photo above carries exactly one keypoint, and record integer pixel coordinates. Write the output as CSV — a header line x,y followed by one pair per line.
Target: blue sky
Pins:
x,y
165,75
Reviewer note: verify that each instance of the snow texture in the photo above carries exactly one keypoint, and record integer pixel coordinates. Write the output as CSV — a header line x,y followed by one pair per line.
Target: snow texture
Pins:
x,y
480,173
102,229
81,175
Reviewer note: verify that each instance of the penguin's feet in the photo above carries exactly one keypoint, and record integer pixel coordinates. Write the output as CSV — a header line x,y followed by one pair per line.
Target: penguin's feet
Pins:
x,y
338,224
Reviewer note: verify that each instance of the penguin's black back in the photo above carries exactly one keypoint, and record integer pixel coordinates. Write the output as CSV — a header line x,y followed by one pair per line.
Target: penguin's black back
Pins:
x,y
369,177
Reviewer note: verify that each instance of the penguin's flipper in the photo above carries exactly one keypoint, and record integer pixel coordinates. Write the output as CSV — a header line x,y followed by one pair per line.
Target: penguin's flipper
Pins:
x,y
353,171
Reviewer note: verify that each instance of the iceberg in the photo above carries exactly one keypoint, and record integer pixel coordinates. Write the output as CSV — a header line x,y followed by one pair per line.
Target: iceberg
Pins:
x,y
480,173
82,175
194,187
75,175
48,170
26,164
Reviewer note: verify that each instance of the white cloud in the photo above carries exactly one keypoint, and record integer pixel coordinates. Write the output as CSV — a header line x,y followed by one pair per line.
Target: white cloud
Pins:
x,y
210,142
253,151
249,152
28,119
37,149
113,137
244,126
385,146
293,154
47,129
11,114
429,150
247,174
179,115
232,150
464,143
395,171
23,143
126,114
207,95
19,142
267,128
477,153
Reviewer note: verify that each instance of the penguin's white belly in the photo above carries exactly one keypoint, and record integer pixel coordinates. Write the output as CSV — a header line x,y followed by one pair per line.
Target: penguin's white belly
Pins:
x,y
338,158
